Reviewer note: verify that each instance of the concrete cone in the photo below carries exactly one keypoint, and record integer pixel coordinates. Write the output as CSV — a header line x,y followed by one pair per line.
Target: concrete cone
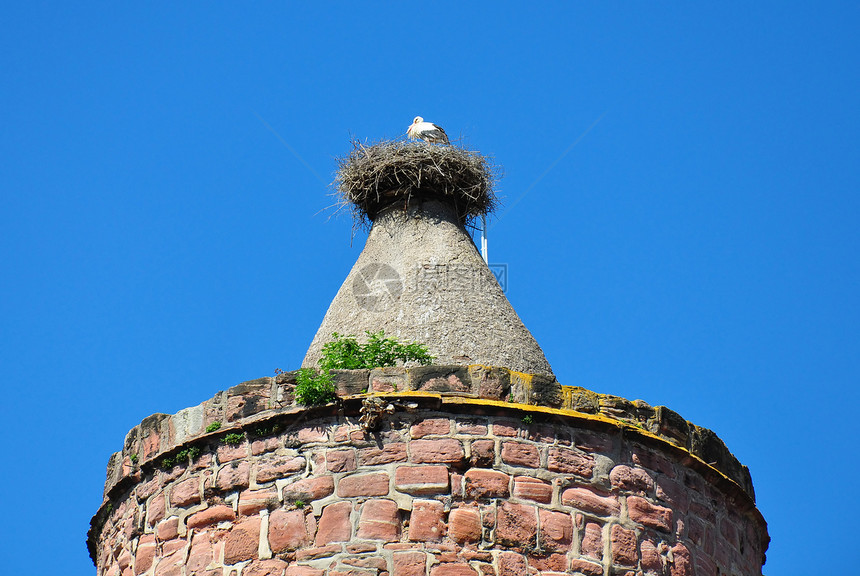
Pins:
x,y
420,278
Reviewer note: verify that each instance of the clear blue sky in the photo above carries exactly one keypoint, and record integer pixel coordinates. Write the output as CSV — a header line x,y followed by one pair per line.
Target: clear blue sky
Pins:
x,y
697,248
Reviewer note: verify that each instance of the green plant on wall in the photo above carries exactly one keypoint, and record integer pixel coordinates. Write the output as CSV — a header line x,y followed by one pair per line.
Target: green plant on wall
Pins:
x,y
346,353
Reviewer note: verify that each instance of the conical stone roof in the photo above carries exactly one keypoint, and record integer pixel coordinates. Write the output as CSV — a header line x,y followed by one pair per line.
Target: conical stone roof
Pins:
x,y
420,278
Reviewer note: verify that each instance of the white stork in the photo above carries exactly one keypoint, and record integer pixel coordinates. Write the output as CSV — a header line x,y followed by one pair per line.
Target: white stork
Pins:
x,y
427,131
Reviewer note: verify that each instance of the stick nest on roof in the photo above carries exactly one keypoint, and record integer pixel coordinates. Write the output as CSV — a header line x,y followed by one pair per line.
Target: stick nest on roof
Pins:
x,y
374,176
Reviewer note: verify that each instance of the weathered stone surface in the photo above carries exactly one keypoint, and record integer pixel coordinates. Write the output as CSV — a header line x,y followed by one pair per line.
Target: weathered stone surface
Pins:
x,y
421,480
520,454
647,514
242,541
309,489
441,451
391,453
409,564
529,488
464,525
426,523
289,530
389,379
379,521
233,475
569,461
349,382
490,382
440,379
592,541
631,479
271,567
430,427
556,530
334,524
512,564
363,485
623,545
186,493
340,460
516,526
482,483
272,466
211,515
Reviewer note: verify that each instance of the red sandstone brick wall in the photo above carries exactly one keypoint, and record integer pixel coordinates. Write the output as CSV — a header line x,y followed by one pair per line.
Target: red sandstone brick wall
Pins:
x,y
431,494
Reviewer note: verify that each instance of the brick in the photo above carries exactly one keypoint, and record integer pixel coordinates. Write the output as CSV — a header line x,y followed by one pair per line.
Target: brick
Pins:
x,y
651,560
379,520
508,428
233,475
409,564
334,524
201,554
641,511
145,553
441,451
155,509
168,529
272,466
673,493
303,571
272,567
317,552
482,453
185,493
474,427
682,564
588,500
372,562
548,564
592,541
228,453
520,454
653,461
309,489
464,525
311,434
289,530
579,566
243,541
252,501
480,483
171,562
556,530
528,488
263,445
623,544
452,570
340,460
426,522
512,564
569,461
374,456
211,515
516,526
363,485
631,479
431,427
421,480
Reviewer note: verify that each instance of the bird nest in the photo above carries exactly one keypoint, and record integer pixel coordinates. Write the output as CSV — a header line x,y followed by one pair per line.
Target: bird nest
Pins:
x,y
374,176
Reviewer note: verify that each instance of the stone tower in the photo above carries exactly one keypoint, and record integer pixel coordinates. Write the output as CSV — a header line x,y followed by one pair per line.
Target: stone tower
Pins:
x,y
481,464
